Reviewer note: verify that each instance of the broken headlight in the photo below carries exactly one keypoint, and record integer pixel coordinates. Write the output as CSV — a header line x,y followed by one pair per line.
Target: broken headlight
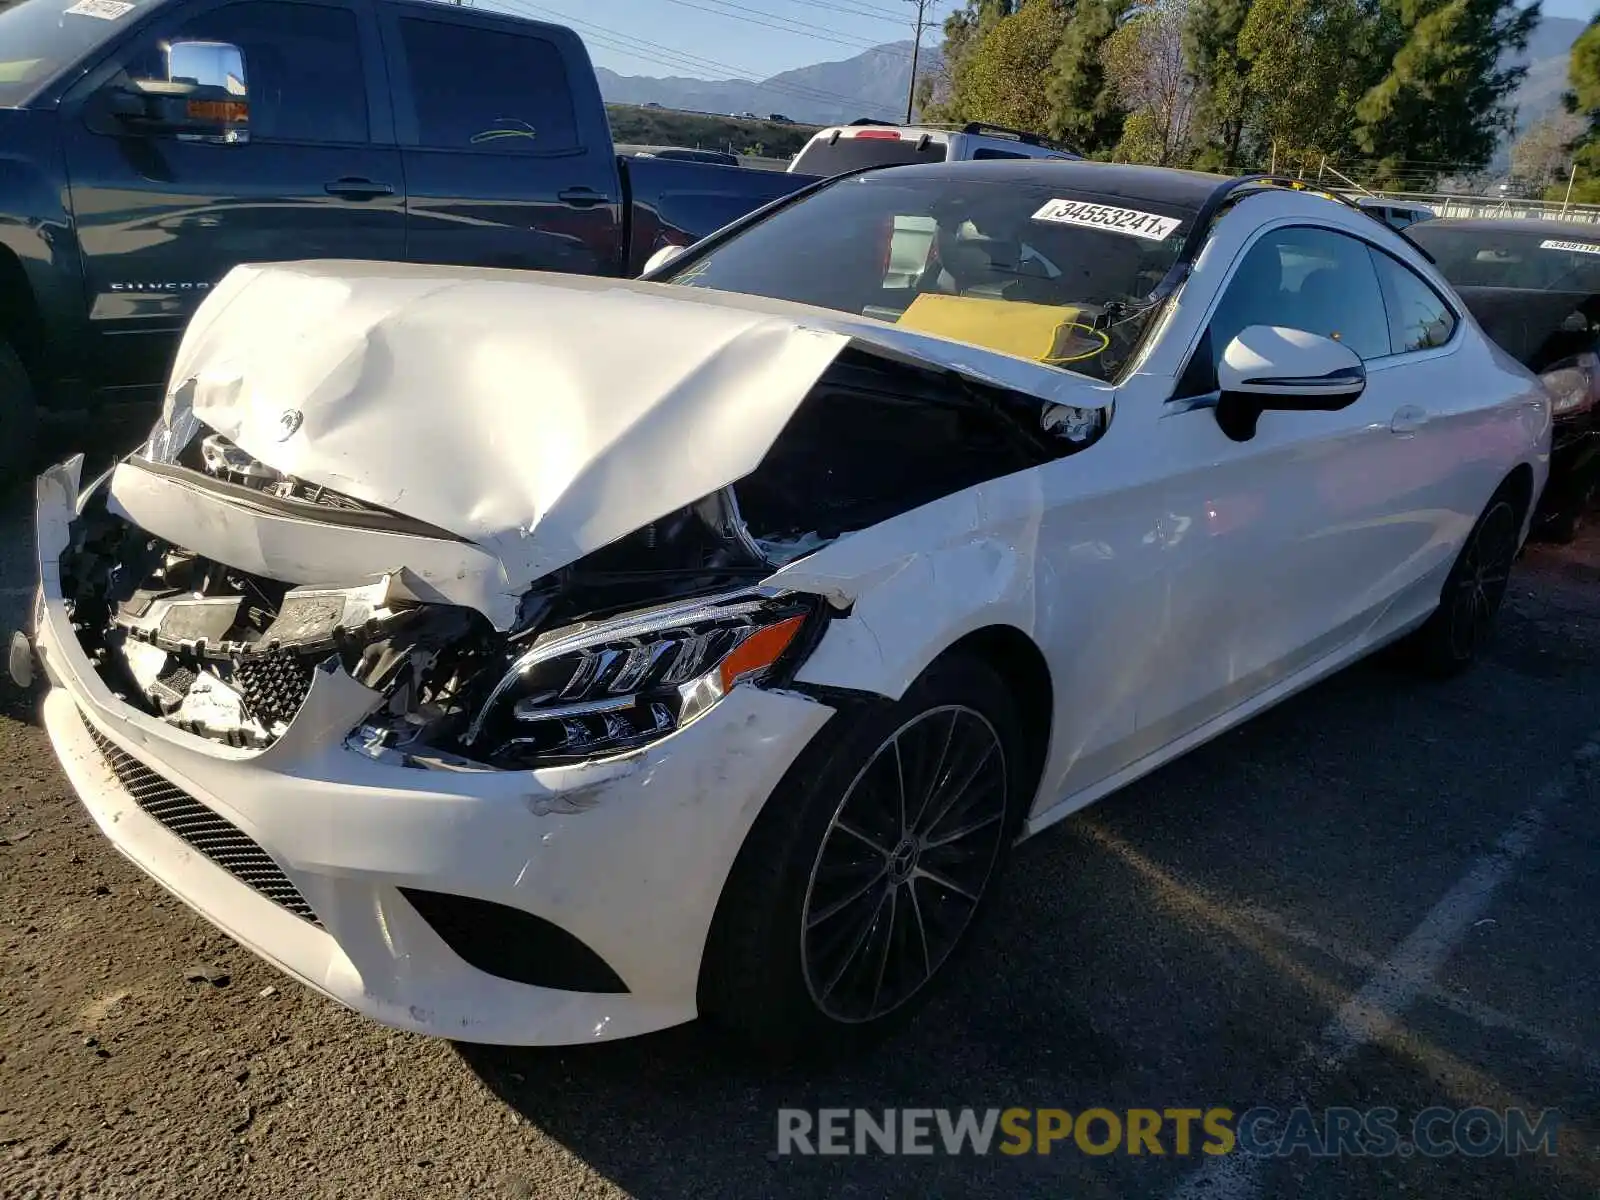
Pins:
x,y
606,686
1572,384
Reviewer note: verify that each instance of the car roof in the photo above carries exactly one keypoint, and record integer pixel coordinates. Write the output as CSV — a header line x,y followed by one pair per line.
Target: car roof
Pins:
x,y
1163,185
1583,230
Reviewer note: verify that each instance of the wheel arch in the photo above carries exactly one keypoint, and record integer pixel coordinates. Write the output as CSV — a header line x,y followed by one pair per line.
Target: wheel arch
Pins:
x,y
21,323
1518,485
1022,666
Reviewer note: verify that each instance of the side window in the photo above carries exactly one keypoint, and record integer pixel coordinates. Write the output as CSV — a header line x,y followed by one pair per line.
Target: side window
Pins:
x,y
986,152
1303,278
1418,318
484,89
302,67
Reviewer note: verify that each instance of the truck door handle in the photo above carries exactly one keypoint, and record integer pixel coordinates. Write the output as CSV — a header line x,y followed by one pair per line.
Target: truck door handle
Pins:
x,y
581,197
358,189
1408,420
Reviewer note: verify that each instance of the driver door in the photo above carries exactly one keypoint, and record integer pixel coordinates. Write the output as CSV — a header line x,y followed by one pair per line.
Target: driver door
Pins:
x,y
1284,548
162,218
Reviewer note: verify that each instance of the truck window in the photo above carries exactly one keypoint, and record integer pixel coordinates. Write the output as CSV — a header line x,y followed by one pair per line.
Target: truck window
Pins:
x,y
487,89
302,65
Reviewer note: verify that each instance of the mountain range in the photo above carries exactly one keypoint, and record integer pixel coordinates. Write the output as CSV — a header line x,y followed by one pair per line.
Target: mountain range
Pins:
x,y
873,83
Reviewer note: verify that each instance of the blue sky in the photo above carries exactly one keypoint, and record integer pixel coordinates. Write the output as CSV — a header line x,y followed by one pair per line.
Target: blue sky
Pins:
x,y
757,38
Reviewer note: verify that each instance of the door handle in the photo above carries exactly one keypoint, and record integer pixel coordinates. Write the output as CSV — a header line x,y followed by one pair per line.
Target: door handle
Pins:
x,y
1408,420
581,197
358,189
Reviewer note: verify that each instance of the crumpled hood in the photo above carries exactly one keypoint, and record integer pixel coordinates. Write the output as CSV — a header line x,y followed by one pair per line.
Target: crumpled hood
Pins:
x,y
540,417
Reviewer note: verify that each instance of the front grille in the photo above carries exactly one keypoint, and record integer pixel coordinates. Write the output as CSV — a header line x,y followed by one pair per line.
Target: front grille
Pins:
x,y
203,829
274,685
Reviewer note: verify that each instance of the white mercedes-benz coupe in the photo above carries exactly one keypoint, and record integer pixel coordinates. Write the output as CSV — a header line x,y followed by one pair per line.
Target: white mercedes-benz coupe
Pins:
x,y
521,658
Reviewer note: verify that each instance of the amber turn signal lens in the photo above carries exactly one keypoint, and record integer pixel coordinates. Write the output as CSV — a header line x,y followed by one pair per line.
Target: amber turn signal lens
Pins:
x,y
759,651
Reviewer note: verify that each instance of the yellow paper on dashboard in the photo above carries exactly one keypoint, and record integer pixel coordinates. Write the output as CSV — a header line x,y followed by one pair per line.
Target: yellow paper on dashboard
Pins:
x,y
1042,332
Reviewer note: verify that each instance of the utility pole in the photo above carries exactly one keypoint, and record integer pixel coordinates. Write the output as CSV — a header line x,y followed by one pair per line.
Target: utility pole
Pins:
x,y
916,49
1571,176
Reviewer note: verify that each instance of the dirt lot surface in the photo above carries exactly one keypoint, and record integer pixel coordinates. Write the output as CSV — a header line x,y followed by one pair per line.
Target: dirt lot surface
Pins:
x,y
1381,893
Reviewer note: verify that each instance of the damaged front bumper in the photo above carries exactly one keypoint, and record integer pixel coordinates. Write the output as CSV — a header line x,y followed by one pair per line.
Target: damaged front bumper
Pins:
x,y
553,905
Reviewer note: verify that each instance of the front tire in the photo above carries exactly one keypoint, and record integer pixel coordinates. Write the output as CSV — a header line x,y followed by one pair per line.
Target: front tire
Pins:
x,y
1454,637
868,867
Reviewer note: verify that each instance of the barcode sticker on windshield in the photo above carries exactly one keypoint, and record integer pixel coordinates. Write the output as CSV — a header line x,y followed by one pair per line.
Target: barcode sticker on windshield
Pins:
x,y
1104,216
104,10
1577,247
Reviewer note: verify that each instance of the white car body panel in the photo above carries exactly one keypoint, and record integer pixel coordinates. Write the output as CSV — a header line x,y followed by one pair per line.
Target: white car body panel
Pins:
x,y
291,549
356,357
1173,581
350,831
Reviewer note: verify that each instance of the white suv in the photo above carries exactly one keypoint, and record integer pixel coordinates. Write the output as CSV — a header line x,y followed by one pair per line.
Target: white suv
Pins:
x,y
864,143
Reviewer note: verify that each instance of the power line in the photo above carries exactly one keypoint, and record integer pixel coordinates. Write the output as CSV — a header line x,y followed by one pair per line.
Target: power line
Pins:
x,y
679,60
737,12
872,14
916,48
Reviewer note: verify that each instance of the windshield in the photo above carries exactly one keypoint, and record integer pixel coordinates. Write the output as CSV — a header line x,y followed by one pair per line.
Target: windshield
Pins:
x,y
40,38
1056,276
820,157
1507,258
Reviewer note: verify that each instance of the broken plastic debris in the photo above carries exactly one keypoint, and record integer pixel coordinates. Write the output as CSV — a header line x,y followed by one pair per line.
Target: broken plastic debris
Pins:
x,y
21,661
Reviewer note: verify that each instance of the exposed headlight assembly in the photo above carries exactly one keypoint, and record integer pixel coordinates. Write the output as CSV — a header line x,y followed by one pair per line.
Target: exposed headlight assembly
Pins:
x,y
603,687
1572,385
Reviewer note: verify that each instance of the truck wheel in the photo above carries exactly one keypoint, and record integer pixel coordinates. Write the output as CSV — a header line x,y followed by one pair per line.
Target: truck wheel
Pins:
x,y
18,418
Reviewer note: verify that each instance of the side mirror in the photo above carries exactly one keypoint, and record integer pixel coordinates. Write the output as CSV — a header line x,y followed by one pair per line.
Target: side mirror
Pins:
x,y
1269,368
204,97
660,259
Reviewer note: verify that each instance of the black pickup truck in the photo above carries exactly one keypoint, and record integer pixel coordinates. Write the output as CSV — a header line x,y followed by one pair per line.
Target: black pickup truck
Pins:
x,y
148,146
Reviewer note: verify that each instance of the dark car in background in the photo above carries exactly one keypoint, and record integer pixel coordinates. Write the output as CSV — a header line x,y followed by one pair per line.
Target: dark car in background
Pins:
x,y
1396,214
149,146
1534,286
692,154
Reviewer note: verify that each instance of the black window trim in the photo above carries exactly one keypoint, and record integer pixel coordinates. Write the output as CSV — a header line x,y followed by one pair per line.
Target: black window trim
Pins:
x,y
1450,343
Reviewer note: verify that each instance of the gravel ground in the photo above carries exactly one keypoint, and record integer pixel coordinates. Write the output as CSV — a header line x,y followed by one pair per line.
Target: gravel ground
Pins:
x,y
1196,940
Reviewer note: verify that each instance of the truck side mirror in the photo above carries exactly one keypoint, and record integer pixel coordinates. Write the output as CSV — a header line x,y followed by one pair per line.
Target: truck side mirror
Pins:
x,y
203,98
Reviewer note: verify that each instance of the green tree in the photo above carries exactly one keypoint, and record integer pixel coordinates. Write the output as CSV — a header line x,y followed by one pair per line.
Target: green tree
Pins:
x,y
1444,101
1146,64
1222,74
1006,78
1583,101
944,96
1304,77
1085,109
